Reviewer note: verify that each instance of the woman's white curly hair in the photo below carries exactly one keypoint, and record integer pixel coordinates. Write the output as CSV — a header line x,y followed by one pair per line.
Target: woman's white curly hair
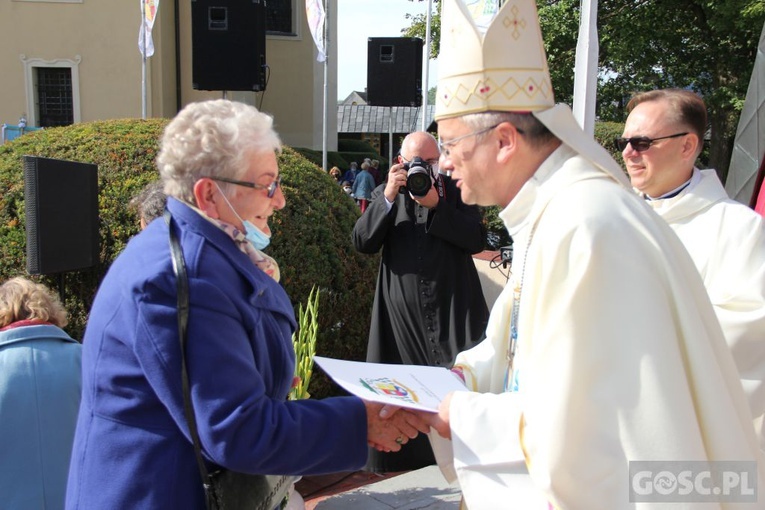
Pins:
x,y
212,138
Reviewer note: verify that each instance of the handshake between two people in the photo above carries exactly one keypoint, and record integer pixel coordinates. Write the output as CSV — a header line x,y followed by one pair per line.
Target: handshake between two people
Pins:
x,y
390,427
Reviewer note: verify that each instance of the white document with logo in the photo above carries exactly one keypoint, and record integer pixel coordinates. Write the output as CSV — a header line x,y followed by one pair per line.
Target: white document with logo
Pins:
x,y
412,386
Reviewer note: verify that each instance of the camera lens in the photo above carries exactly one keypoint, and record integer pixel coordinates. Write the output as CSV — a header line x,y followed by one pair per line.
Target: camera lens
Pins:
x,y
418,181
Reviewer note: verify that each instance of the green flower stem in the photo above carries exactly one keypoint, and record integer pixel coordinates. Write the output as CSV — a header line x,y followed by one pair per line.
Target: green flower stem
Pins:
x,y
304,343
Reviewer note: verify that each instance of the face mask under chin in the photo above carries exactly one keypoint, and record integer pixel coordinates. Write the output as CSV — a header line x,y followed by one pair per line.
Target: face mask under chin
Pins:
x,y
254,235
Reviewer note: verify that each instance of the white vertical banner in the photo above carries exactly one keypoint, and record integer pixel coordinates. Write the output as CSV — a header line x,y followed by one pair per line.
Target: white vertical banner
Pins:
x,y
426,70
316,16
148,15
586,66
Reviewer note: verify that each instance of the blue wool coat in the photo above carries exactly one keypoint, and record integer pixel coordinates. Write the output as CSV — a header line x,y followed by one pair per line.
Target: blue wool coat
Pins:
x,y
132,447
39,398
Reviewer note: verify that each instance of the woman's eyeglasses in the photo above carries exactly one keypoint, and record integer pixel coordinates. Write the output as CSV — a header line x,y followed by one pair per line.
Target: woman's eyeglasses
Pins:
x,y
270,188
642,143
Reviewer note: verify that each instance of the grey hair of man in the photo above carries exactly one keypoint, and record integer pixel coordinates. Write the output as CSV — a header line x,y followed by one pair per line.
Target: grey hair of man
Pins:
x,y
150,202
212,138
535,133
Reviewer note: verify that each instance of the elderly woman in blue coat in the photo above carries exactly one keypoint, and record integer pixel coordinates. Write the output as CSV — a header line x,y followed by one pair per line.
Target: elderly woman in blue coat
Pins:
x,y
132,447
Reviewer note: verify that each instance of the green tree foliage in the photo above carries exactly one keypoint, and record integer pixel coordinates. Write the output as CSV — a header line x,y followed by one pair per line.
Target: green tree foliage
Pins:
x,y
707,46
704,45
418,27
311,235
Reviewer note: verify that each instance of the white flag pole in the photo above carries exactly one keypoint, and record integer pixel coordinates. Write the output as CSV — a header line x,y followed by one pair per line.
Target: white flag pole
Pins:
x,y
317,12
326,87
586,67
143,59
426,71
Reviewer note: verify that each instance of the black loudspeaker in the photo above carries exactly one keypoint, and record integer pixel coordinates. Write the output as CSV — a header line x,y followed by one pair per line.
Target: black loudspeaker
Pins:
x,y
394,71
228,39
61,204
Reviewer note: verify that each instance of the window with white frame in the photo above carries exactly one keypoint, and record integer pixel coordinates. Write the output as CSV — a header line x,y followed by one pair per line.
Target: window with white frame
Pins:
x,y
53,91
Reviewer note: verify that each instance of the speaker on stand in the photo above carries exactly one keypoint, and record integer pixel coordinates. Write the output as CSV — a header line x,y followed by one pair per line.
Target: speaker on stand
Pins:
x,y
228,45
61,207
394,71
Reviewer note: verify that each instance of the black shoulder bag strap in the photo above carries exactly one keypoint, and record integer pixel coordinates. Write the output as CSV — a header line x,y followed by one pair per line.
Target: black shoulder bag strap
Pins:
x,y
182,284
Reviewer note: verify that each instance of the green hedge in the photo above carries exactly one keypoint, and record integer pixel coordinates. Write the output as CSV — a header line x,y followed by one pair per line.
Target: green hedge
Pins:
x,y
354,145
311,242
605,133
316,157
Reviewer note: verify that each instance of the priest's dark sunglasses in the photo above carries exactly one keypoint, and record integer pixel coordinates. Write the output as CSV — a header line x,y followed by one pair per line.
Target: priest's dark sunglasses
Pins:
x,y
270,188
641,143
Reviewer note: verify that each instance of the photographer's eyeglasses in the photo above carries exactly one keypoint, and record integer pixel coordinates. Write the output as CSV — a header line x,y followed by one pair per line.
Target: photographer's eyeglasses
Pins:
x,y
446,146
432,162
642,143
270,188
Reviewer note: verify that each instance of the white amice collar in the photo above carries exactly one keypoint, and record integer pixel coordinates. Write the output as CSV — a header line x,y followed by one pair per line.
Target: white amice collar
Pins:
x,y
516,214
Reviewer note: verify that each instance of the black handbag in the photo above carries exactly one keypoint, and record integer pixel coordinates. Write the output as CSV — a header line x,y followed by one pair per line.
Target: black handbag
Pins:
x,y
224,489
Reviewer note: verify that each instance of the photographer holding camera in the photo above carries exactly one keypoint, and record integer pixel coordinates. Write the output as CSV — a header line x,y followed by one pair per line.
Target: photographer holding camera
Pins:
x,y
429,304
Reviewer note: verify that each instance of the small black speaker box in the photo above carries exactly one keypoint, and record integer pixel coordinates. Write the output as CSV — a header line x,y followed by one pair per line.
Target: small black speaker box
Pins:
x,y
228,39
61,205
394,71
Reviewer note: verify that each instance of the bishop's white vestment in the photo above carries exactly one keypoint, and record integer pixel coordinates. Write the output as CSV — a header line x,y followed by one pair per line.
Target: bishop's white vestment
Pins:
x,y
619,356
726,241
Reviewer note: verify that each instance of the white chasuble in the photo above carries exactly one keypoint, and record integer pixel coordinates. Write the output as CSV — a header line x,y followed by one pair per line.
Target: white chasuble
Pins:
x,y
726,241
620,356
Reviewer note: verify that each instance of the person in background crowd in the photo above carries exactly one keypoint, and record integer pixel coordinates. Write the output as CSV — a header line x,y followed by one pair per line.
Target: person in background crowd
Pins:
x,y
335,173
363,186
218,163
429,304
39,396
662,139
350,174
603,349
374,169
149,203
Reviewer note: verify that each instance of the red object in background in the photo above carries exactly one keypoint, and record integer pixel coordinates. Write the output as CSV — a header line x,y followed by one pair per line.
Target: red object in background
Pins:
x,y
758,196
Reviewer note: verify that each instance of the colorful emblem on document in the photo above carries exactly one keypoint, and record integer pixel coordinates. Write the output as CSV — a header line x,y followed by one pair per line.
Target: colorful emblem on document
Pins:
x,y
391,388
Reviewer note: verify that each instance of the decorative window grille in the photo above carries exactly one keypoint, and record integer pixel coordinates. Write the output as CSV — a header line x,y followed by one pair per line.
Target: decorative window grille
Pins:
x,y
54,96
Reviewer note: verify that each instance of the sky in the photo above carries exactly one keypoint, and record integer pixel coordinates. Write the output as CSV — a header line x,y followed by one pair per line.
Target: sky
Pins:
x,y
357,20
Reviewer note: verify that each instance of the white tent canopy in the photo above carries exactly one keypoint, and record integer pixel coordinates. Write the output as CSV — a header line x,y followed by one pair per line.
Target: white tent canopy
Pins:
x,y
749,147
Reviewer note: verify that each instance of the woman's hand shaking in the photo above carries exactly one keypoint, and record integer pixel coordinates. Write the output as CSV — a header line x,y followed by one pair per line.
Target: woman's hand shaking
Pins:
x,y
389,430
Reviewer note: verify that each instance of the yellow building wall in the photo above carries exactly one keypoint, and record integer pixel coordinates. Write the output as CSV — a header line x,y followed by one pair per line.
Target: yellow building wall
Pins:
x,y
102,35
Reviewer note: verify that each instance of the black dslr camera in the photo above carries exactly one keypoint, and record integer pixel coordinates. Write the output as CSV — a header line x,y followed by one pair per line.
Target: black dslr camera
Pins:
x,y
417,178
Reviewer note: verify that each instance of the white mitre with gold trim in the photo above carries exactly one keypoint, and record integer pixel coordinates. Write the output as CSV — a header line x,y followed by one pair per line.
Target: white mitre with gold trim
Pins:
x,y
503,68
